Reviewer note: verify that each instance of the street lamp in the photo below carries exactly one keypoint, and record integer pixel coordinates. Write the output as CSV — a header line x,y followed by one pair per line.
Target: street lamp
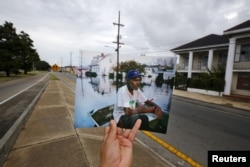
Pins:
x,y
111,47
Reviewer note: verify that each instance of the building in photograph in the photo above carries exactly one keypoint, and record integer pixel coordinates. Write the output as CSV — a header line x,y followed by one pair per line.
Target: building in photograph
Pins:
x,y
230,50
102,64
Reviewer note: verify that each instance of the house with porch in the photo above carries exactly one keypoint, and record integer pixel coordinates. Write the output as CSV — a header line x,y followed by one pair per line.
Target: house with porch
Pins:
x,y
231,50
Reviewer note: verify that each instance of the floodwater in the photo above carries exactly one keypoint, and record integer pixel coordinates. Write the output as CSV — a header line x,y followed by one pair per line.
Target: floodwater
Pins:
x,y
98,92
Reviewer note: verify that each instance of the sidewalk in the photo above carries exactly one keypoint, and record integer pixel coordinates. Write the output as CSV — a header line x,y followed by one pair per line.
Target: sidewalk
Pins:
x,y
213,99
49,138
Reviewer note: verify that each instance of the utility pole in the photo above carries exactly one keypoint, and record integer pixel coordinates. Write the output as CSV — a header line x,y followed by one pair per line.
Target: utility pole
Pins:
x,y
117,49
61,64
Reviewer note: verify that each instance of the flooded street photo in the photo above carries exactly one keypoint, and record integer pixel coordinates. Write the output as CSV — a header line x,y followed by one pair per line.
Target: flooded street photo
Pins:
x,y
96,92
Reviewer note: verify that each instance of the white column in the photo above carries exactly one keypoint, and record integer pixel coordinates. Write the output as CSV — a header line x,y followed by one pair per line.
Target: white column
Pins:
x,y
190,64
210,59
229,66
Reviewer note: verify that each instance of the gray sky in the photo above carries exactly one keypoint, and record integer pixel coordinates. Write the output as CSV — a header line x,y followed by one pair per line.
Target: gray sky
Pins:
x,y
152,27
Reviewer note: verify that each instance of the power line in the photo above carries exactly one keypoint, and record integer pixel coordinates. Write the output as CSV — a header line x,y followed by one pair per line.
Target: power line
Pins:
x,y
147,52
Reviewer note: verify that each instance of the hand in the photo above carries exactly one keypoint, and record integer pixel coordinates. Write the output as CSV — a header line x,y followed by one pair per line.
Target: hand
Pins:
x,y
158,112
117,146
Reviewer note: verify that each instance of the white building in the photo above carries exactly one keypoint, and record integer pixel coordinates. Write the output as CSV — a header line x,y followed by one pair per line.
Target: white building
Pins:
x,y
232,50
102,64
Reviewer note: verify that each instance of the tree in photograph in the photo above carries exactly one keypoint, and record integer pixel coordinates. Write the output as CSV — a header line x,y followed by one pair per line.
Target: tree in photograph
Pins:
x,y
129,65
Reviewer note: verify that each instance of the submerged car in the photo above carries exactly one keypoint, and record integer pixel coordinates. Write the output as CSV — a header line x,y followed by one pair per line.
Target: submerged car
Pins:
x,y
102,116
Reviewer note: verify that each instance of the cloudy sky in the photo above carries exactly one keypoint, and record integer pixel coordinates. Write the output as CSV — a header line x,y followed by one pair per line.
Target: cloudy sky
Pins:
x,y
61,29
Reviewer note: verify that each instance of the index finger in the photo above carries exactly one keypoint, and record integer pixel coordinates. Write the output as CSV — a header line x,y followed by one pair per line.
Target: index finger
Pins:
x,y
134,130
112,130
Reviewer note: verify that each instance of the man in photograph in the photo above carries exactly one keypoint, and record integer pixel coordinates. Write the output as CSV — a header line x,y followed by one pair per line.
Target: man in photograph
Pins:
x,y
131,104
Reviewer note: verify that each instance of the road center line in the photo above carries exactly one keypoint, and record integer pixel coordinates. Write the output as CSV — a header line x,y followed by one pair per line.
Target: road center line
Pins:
x,y
179,154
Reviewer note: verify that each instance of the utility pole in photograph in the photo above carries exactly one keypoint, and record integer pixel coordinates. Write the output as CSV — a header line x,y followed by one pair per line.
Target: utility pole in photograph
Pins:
x,y
118,46
81,52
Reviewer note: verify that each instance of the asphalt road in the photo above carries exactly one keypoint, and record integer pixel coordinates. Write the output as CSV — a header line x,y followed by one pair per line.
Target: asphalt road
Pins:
x,y
12,88
16,96
196,128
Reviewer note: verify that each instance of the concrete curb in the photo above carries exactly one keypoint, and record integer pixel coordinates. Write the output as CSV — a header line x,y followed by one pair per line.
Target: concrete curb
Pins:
x,y
11,135
170,164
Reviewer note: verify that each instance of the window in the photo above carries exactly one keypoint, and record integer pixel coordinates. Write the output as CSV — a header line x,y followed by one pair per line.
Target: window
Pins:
x,y
185,62
237,53
202,64
245,53
242,53
222,59
243,81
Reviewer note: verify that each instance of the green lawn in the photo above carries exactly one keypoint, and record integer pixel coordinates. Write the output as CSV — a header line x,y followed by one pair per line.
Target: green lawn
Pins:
x,y
53,77
3,77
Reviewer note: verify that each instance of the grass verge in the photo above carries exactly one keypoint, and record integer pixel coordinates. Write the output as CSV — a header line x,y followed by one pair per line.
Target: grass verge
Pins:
x,y
53,77
4,78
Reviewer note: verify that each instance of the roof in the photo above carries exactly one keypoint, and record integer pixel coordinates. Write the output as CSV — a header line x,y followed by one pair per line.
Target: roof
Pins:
x,y
208,40
243,25
99,58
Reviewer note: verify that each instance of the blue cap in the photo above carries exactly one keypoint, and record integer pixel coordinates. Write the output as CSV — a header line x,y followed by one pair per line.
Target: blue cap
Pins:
x,y
133,74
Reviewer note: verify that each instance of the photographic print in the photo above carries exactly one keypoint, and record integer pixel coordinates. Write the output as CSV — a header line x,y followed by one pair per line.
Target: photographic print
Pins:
x,y
127,89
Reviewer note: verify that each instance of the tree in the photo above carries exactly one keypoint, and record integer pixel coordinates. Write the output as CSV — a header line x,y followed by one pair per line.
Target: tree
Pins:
x,y
26,53
42,65
8,41
129,65
210,80
16,51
